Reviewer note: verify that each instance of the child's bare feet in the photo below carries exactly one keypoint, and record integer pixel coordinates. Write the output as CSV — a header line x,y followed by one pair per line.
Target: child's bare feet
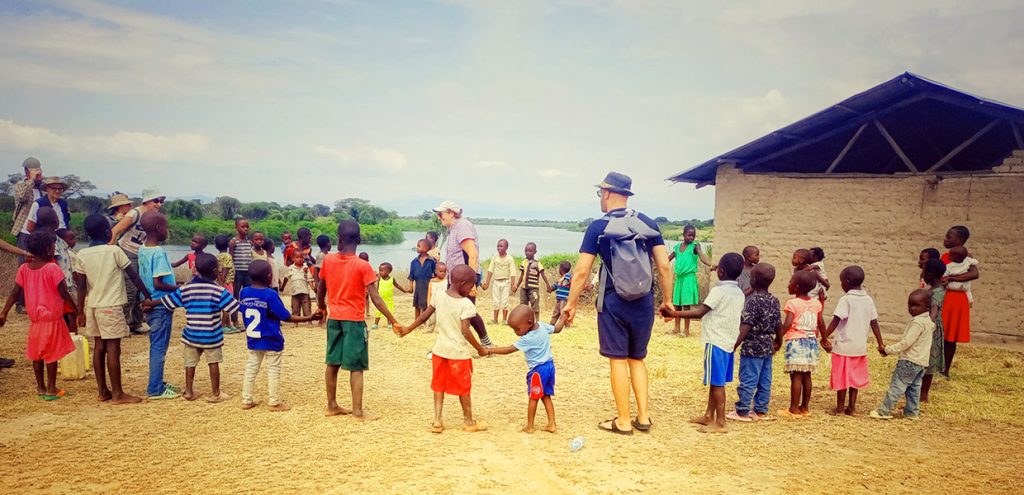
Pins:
x,y
550,428
126,399
763,417
189,395
803,411
221,397
713,428
337,411
851,411
249,405
701,420
366,416
437,428
528,429
279,407
836,411
475,427
104,396
686,333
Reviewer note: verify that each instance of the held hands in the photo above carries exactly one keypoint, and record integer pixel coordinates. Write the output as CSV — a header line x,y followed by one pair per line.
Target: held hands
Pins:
x,y
81,320
825,344
881,349
776,345
667,310
3,320
568,314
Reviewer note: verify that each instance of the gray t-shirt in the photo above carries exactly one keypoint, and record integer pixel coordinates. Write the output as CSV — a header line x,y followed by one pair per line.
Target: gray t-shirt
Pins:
x,y
744,280
454,255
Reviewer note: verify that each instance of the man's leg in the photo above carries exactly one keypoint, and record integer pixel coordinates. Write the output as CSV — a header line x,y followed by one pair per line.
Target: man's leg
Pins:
x,y
620,391
639,381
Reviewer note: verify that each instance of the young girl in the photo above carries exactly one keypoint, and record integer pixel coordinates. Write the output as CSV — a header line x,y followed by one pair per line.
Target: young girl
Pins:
x,y
198,244
932,274
386,286
561,289
926,254
817,263
295,283
46,294
687,291
438,285
803,323
956,306
259,251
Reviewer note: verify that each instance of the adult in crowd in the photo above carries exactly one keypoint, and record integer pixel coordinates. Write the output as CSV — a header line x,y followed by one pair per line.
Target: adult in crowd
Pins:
x,y
26,192
461,249
52,189
120,205
128,234
623,326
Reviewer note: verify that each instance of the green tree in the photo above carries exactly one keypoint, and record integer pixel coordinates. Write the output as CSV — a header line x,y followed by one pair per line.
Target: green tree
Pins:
x,y
321,210
77,186
228,207
190,210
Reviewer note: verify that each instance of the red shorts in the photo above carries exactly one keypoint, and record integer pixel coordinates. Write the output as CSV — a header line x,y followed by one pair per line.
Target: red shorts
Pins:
x,y
452,376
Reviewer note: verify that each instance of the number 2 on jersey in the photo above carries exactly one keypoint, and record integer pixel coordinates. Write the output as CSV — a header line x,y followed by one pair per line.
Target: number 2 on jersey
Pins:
x,y
250,329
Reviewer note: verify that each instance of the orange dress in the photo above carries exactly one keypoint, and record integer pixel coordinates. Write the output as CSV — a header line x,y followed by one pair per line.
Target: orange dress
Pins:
x,y
48,337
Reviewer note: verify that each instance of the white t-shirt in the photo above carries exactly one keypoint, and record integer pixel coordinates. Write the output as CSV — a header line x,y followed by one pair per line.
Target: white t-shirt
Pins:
x,y
720,327
813,294
103,267
855,311
33,216
449,311
960,268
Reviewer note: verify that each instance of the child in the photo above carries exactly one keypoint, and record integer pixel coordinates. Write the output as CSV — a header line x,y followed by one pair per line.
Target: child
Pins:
x,y
198,245
535,342
438,284
365,257
562,289
100,270
286,240
42,284
854,315
259,252
421,270
345,282
263,312
913,349
934,270
720,315
203,301
501,271
452,356
240,249
761,336
529,280
686,292
323,241
275,267
751,257
303,245
434,251
225,275
817,264
296,284
926,254
803,322
386,286
158,276
47,221
956,309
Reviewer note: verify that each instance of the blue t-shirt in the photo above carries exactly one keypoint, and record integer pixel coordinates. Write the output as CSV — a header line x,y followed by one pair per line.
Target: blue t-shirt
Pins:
x,y
153,263
594,244
422,272
262,313
536,345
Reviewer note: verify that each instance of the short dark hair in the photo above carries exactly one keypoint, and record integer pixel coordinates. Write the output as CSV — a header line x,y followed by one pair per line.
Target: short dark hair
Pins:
x,y
97,227
761,276
933,254
819,254
222,242
689,227
805,281
731,265
268,244
747,251
935,268
46,217
206,265
304,233
854,274
39,244
962,232
151,221
260,271
432,236
387,265
239,219
364,256
324,241
203,241
565,266
348,233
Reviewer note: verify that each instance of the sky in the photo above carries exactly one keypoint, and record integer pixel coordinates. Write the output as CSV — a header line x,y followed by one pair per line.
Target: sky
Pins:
x,y
513,109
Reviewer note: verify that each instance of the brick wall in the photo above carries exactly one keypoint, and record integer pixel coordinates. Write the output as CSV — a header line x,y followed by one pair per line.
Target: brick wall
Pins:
x,y
882,223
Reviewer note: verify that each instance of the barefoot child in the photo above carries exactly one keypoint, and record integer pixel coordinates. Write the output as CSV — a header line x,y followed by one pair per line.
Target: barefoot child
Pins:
x,y
501,272
203,301
803,322
761,336
854,315
452,355
386,285
421,270
751,257
720,315
438,284
932,273
535,342
295,283
41,282
259,250
263,312
562,289
914,350
225,275
156,272
529,279
100,272
345,283
198,245
240,249
686,293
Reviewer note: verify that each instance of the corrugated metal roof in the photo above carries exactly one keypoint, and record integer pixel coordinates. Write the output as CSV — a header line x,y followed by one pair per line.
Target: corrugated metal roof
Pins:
x,y
928,121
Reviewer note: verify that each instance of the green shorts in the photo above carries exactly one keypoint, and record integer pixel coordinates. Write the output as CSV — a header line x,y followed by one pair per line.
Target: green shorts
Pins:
x,y
347,345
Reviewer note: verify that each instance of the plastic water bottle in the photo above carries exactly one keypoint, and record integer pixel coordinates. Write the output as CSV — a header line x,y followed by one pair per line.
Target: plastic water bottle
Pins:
x,y
576,444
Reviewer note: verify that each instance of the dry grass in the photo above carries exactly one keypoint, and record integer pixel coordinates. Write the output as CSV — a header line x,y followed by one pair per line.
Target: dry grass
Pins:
x,y
968,440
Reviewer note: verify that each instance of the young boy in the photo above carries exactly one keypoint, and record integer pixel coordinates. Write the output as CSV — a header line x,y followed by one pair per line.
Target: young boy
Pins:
x,y
345,282
535,342
421,270
751,257
203,301
562,288
501,271
240,249
761,336
263,312
452,355
720,315
529,279
295,283
158,276
323,241
198,245
438,284
434,251
386,285
854,315
100,270
913,350
303,245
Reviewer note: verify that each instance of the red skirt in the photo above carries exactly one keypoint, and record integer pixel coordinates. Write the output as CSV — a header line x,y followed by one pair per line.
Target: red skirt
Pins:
x,y
48,341
956,317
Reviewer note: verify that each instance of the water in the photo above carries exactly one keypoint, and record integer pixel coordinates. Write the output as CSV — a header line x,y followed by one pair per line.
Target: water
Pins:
x,y
549,241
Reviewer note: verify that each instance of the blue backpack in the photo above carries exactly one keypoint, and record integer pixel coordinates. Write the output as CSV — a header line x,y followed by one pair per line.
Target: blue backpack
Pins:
x,y
629,263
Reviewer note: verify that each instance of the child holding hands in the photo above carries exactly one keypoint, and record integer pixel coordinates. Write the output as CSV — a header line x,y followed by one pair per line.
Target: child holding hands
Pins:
x,y
914,350
761,336
803,323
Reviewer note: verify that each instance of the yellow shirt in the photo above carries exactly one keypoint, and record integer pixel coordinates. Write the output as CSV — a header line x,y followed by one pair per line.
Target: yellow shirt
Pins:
x,y
501,267
103,267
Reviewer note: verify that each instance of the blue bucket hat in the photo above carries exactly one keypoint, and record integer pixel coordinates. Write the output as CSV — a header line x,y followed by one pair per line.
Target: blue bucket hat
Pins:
x,y
617,183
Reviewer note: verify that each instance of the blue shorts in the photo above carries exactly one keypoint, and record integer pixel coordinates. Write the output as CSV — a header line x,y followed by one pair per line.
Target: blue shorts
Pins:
x,y
540,381
624,327
717,366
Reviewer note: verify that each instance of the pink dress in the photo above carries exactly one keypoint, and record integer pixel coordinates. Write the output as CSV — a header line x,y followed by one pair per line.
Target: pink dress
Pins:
x,y
48,337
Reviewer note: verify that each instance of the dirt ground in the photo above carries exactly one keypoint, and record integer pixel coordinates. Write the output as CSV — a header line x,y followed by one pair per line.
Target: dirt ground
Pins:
x,y
967,442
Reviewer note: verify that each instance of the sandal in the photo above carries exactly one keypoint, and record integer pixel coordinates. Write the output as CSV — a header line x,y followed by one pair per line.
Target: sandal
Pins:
x,y
614,428
436,429
735,416
479,426
637,425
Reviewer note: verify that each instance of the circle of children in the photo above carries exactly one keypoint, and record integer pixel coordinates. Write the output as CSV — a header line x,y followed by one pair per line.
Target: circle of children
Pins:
x,y
93,292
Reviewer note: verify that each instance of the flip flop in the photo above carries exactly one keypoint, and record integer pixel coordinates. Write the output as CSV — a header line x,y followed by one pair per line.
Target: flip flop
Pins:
x,y
645,428
479,426
49,397
436,429
735,416
614,428
784,413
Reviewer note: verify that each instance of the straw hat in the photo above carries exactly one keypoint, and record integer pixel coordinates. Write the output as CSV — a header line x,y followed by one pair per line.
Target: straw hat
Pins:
x,y
53,180
118,199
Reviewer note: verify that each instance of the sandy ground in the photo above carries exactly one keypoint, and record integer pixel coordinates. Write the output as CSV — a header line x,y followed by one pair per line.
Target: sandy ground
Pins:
x,y
968,440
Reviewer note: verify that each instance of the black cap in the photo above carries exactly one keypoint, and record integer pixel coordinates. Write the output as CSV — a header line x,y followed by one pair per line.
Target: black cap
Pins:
x,y
617,183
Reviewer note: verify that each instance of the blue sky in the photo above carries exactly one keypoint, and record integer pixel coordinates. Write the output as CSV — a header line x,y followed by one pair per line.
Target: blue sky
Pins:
x,y
514,109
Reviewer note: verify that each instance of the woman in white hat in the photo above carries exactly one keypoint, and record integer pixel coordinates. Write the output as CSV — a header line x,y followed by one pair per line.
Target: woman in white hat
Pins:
x,y
131,238
461,248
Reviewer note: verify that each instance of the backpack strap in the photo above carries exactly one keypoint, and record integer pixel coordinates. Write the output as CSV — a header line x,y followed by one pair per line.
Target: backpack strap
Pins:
x,y
601,286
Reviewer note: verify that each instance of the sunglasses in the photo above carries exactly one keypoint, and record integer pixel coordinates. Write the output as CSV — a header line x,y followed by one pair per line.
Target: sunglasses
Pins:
x,y
599,191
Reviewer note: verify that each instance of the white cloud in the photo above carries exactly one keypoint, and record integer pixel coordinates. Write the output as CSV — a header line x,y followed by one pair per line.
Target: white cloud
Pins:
x,y
122,144
751,117
491,164
365,155
553,173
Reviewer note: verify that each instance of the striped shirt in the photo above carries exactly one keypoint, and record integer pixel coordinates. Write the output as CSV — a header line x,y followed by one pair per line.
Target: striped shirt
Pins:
x,y
562,287
242,255
203,302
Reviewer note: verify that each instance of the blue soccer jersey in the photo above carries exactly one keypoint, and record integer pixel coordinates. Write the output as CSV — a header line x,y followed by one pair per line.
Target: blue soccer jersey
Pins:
x,y
262,313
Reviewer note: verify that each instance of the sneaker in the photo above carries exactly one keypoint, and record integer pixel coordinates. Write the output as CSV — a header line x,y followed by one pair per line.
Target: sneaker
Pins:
x,y
172,387
169,393
877,415
6,362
